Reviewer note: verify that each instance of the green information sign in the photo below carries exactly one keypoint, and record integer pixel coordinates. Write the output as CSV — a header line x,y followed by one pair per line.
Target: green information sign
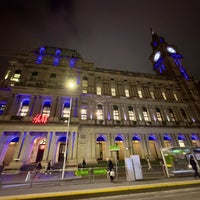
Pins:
x,y
83,172
114,148
99,171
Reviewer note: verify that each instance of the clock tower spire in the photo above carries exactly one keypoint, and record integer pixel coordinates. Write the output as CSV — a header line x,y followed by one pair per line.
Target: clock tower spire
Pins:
x,y
165,58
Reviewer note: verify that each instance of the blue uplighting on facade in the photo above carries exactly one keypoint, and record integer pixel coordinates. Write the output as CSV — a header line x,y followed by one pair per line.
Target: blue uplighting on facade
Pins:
x,y
155,44
72,62
56,61
39,59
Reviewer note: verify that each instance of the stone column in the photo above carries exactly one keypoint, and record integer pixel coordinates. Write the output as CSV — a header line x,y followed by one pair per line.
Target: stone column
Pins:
x,y
47,147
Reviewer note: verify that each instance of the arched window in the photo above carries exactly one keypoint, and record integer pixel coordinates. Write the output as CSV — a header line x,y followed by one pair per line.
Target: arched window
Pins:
x,y
46,108
66,109
24,107
2,107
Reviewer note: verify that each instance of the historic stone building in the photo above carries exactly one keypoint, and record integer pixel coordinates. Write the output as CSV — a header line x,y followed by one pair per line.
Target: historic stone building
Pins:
x,y
141,113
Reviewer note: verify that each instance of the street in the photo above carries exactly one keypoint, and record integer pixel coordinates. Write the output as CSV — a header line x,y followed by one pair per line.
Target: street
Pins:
x,y
179,194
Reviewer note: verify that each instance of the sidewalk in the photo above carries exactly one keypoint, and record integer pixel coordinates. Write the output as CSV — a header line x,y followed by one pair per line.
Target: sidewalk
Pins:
x,y
75,187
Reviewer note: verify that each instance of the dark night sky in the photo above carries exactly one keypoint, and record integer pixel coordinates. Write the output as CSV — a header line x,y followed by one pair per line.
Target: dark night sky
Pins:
x,y
114,34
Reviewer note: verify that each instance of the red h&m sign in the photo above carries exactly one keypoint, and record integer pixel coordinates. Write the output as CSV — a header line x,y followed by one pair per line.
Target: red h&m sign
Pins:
x,y
40,119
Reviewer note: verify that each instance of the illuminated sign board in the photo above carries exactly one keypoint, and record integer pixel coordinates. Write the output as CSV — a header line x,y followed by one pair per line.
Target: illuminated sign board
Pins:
x,y
40,119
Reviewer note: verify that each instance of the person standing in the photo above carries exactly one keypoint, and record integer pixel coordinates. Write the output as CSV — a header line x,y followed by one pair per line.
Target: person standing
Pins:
x,y
83,163
149,164
111,170
194,167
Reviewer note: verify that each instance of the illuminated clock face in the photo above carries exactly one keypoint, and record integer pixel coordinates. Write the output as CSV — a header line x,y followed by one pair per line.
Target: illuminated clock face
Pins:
x,y
156,56
171,50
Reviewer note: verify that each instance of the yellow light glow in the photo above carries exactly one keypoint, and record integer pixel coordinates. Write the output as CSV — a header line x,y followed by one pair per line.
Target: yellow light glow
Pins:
x,y
71,84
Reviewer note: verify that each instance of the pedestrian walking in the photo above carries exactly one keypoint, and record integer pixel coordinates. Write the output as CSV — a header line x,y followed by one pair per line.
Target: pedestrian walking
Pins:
x,y
149,163
111,172
194,167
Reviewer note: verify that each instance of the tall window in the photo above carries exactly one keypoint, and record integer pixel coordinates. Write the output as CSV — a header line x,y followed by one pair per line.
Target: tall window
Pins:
x,y
131,113
16,76
183,114
52,77
2,107
84,85
145,114
175,96
171,115
7,74
85,82
140,93
164,96
113,92
99,112
46,108
116,113
34,76
24,107
152,94
158,114
66,109
127,93
98,90
84,113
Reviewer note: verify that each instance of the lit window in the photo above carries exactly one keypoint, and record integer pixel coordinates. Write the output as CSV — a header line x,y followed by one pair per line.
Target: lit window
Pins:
x,y
127,93
66,109
84,91
145,114
158,114
24,108
152,94
99,112
140,93
113,92
46,108
2,107
175,96
85,83
131,114
83,113
16,76
164,96
98,90
171,115
115,113
7,74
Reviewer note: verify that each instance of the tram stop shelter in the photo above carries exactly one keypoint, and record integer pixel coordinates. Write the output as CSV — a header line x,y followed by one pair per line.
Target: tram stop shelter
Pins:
x,y
177,160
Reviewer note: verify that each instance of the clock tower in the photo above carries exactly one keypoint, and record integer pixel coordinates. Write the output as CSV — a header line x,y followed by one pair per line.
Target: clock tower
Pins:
x,y
166,59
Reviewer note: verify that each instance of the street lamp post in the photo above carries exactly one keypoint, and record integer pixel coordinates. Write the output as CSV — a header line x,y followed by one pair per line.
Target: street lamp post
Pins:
x,y
66,144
